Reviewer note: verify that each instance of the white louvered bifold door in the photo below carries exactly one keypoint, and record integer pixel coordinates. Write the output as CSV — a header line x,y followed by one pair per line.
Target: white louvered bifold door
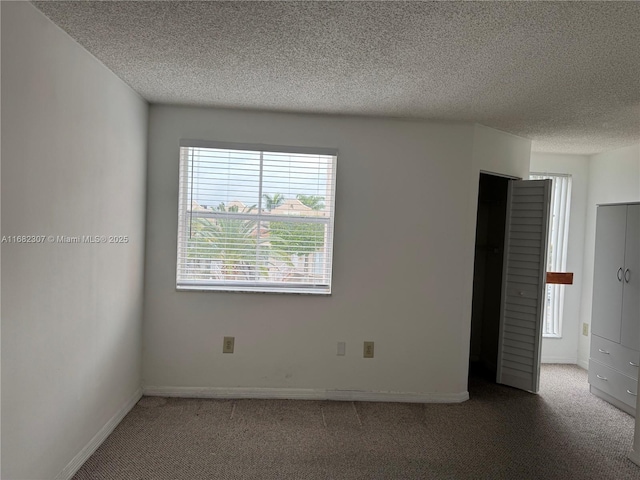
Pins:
x,y
524,289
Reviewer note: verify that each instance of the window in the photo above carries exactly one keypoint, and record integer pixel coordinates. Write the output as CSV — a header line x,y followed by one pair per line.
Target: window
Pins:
x,y
557,251
255,218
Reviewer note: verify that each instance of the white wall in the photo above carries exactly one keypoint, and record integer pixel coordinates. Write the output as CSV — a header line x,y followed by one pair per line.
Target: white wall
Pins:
x,y
399,265
0,271
73,163
565,349
614,177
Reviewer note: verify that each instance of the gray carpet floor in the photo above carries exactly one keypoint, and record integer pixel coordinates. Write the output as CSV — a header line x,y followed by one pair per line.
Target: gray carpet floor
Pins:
x,y
500,433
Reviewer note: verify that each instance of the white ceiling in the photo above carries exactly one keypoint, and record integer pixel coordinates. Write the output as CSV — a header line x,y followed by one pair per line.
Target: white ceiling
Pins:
x,y
564,74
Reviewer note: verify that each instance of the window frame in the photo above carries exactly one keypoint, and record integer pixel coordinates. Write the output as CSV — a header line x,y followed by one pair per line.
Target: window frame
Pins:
x,y
239,286
555,329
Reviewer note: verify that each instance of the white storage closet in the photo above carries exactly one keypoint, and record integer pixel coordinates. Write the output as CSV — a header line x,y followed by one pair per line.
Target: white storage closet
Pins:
x,y
615,322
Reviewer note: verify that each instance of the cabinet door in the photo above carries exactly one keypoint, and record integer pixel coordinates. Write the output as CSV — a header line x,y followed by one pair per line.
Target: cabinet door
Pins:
x,y
630,336
608,271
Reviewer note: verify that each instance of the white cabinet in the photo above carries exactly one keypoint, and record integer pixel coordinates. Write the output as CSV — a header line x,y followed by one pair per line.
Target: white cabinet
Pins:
x,y
615,320
630,328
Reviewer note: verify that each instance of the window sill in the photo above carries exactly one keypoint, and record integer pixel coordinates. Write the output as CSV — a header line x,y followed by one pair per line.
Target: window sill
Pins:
x,y
248,289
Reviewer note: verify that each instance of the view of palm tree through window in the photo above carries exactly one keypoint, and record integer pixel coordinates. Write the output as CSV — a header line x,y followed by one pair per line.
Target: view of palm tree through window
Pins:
x,y
255,220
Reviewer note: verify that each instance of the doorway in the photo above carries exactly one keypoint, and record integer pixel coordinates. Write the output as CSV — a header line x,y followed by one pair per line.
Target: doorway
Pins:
x,y
487,276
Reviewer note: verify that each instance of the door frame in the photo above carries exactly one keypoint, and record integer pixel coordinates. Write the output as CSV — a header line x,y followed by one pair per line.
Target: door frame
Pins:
x,y
502,176
510,178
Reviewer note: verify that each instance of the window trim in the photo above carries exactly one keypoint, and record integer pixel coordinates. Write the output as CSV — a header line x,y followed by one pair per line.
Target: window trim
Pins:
x,y
259,147
231,286
558,290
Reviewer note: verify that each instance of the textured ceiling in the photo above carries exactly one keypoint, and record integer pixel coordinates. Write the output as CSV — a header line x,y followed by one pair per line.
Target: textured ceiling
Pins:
x,y
564,74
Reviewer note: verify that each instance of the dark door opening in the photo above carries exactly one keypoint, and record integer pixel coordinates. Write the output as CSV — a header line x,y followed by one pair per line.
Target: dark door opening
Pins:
x,y
487,276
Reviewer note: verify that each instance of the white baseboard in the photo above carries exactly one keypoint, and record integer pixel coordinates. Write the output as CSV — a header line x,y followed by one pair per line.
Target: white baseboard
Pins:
x,y
584,364
74,465
565,360
304,394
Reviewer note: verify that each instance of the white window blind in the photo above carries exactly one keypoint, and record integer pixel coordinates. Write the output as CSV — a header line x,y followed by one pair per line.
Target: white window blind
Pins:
x,y
255,218
557,253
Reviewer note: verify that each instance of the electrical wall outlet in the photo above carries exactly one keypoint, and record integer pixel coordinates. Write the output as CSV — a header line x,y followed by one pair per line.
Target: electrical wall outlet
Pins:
x,y
227,346
585,329
342,349
368,350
